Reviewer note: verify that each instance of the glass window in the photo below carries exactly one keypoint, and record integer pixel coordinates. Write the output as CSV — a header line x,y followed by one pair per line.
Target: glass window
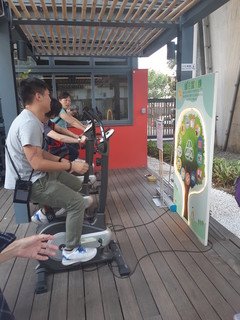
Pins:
x,y
80,89
111,96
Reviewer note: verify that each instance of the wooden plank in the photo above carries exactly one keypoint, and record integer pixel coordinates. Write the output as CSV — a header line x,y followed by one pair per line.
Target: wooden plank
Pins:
x,y
84,8
220,305
94,41
148,10
14,9
178,296
142,194
229,275
195,295
232,261
53,39
46,39
93,301
15,277
24,9
225,232
120,12
132,7
111,11
128,300
140,10
41,303
161,296
168,9
227,291
141,289
103,9
93,10
158,11
35,10
143,243
45,9
110,299
58,306
64,10
54,8
76,307
23,306
136,210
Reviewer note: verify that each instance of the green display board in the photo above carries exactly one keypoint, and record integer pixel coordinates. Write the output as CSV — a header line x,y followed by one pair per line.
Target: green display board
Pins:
x,y
194,145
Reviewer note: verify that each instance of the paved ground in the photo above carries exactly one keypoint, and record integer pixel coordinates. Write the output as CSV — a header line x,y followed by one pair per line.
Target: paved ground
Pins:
x,y
223,206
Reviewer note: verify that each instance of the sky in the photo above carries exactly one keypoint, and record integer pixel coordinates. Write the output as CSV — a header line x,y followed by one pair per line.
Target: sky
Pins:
x,y
157,62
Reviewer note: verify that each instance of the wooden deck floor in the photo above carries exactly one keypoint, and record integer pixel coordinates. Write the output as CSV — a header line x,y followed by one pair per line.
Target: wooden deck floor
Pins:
x,y
172,277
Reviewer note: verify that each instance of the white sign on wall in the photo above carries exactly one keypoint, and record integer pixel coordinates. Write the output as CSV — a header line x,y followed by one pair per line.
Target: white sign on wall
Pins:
x,y
188,66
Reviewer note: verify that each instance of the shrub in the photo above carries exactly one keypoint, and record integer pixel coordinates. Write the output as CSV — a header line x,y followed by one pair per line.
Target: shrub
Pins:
x,y
154,152
225,173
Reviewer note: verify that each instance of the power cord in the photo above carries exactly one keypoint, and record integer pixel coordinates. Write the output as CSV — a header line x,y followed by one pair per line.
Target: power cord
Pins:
x,y
118,228
122,228
154,252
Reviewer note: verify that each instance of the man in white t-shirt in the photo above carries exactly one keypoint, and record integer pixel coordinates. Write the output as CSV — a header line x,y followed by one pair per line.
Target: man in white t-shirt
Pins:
x,y
53,185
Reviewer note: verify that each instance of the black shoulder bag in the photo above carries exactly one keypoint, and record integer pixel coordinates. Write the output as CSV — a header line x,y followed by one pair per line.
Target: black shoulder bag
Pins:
x,y
21,197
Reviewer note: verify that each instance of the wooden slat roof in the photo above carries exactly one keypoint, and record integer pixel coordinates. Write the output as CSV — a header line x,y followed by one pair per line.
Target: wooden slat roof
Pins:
x,y
96,28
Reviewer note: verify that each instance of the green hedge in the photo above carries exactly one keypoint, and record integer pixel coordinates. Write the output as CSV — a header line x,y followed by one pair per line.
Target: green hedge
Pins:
x,y
224,172
154,153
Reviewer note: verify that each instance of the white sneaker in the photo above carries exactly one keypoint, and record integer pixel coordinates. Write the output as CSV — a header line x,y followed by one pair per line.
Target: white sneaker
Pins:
x,y
92,178
39,217
79,254
88,200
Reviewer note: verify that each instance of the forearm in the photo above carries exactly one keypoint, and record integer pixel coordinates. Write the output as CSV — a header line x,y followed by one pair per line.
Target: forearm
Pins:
x,y
67,139
66,132
77,124
48,165
48,156
44,161
8,253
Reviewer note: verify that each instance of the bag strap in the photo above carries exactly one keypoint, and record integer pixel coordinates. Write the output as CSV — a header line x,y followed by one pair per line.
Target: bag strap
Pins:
x,y
19,177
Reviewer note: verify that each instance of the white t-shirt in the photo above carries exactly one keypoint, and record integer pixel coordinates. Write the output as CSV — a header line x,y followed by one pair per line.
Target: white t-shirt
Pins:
x,y
26,129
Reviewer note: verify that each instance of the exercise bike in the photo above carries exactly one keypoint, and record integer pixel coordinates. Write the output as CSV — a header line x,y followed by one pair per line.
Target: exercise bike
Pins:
x,y
94,233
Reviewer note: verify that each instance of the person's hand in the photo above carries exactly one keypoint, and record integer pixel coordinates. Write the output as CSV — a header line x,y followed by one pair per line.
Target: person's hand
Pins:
x,y
64,160
34,247
83,139
80,166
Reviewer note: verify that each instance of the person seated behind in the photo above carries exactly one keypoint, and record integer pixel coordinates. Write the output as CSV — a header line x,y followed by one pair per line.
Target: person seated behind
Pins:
x,y
56,137
65,118
52,183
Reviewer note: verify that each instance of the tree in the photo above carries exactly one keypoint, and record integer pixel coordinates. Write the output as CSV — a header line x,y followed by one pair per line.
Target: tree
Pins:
x,y
190,158
160,85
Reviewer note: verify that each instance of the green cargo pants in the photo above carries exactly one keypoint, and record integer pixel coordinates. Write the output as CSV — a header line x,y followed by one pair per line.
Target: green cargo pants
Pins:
x,y
61,190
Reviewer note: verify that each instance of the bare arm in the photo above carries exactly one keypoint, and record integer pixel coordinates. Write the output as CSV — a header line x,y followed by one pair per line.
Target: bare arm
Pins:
x,y
72,121
65,131
35,247
62,138
43,161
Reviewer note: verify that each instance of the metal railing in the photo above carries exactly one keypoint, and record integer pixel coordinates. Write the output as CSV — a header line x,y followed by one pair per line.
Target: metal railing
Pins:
x,y
163,109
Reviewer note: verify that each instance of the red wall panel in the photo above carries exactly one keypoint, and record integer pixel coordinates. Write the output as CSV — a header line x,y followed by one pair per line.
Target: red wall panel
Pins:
x,y
128,145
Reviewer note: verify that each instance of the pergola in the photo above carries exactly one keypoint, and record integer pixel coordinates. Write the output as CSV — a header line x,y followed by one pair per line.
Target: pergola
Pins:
x,y
94,29
103,28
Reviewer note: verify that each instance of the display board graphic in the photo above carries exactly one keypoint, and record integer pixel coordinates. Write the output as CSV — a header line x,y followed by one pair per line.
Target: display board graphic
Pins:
x,y
194,143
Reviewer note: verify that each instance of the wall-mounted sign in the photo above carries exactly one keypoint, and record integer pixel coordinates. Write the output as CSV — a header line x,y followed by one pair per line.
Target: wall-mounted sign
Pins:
x,y
194,144
188,66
